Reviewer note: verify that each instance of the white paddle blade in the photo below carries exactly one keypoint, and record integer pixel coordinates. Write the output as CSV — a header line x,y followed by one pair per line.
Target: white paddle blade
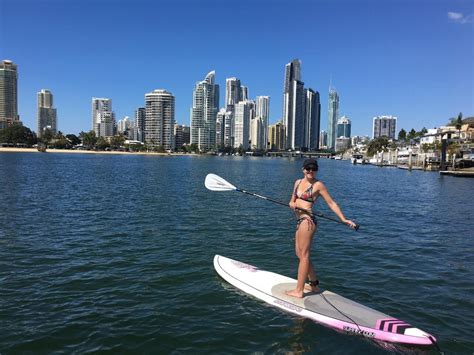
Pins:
x,y
216,183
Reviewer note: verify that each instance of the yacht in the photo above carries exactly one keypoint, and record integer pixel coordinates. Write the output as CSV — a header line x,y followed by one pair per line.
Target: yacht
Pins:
x,y
358,159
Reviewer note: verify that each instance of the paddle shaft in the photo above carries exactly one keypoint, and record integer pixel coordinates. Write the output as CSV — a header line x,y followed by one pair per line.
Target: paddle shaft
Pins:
x,y
298,208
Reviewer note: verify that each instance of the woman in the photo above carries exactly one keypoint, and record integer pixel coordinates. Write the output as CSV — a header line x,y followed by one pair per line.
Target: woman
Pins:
x,y
305,193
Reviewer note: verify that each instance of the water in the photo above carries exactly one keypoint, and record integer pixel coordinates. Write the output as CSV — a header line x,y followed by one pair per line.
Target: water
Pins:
x,y
114,253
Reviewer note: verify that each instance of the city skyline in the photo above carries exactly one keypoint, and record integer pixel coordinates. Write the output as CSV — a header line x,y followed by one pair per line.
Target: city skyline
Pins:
x,y
420,72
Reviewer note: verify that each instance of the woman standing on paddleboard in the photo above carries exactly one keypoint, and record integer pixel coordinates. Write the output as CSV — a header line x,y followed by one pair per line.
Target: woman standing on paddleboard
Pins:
x,y
305,193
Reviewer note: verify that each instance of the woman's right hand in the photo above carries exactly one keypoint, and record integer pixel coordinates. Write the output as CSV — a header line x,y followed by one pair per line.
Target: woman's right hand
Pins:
x,y
292,205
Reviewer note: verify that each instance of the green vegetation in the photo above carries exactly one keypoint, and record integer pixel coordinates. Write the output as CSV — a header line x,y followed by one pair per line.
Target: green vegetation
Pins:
x,y
18,134
378,144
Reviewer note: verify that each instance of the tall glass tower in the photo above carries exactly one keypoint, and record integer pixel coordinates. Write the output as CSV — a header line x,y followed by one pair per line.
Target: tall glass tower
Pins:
x,y
46,113
8,94
333,114
204,113
343,127
312,119
293,105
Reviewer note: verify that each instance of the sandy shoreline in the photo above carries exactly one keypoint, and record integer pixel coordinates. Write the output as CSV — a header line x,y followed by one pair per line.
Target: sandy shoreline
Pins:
x,y
71,151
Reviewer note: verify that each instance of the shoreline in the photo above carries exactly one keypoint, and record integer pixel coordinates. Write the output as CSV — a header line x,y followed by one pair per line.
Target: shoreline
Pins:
x,y
75,151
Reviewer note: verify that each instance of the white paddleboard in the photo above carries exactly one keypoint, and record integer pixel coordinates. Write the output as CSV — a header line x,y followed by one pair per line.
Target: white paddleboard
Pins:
x,y
324,307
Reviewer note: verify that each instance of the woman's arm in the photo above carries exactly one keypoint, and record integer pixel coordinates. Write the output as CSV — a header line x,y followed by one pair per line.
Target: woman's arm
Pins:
x,y
333,205
292,202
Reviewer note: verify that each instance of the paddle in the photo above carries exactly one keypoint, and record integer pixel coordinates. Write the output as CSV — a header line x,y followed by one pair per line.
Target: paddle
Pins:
x,y
215,183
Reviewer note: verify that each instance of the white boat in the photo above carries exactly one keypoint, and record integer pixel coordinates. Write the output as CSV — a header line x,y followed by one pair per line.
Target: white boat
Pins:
x,y
358,159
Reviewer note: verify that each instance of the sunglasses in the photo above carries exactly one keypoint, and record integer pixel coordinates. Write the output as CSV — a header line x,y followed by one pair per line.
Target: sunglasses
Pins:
x,y
311,169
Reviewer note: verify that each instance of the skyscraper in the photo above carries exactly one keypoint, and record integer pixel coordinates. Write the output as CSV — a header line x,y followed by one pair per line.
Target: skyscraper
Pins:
x,y
103,118
333,115
204,113
293,105
233,93
343,127
277,136
46,119
312,119
262,108
181,136
384,126
323,140
159,119
242,115
223,128
8,94
140,116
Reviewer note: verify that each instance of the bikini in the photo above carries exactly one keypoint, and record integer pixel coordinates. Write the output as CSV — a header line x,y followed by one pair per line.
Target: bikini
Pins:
x,y
307,196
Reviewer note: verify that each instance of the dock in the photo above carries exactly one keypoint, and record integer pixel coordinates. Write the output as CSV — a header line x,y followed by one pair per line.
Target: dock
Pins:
x,y
459,173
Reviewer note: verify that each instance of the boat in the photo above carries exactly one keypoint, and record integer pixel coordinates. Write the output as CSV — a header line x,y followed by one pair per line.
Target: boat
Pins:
x,y
358,159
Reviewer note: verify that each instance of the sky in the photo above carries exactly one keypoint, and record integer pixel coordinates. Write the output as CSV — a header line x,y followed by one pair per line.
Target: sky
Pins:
x,y
412,59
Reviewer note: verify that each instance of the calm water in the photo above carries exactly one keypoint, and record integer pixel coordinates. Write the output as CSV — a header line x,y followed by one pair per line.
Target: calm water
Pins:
x,y
114,253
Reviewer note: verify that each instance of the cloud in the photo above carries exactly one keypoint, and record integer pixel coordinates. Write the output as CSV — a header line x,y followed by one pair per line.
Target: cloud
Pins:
x,y
459,17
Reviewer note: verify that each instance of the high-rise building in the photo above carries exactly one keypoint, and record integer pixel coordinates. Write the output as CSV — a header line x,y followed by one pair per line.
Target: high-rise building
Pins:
x,y
262,110
204,113
220,124
140,115
103,118
333,115
277,136
8,94
242,113
342,144
384,126
181,135
233,92
256,128
293,105
344,127
312,119
46,119
245,93
224,128
159,119
124,125
323,140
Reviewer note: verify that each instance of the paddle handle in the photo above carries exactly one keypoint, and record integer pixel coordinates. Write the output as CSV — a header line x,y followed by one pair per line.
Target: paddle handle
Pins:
x,y
298,208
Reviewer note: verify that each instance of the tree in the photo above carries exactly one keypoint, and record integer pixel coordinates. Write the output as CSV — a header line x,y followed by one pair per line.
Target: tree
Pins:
x,y
402,135
18,134
46,136
378,144
88,139
412,134
60,141
117,141
422,132
102,143
73,139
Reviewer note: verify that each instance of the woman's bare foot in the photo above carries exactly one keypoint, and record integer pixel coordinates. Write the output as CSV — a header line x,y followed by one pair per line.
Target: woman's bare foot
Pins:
x,y
294,293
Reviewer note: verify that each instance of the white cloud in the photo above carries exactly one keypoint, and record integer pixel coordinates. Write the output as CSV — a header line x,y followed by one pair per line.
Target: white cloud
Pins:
x,y
459,17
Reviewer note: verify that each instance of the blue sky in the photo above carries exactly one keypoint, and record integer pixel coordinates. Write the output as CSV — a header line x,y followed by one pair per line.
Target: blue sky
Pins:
x,y
412,59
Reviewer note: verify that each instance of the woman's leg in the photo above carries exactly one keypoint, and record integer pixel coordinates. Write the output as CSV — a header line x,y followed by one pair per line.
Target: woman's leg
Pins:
x,y
303,239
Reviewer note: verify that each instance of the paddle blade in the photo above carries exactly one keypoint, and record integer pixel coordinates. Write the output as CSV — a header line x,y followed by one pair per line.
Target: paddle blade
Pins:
x,y
216,183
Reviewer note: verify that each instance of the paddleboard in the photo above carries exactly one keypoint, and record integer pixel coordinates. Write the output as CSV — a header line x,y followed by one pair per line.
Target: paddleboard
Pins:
x,y
324,307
